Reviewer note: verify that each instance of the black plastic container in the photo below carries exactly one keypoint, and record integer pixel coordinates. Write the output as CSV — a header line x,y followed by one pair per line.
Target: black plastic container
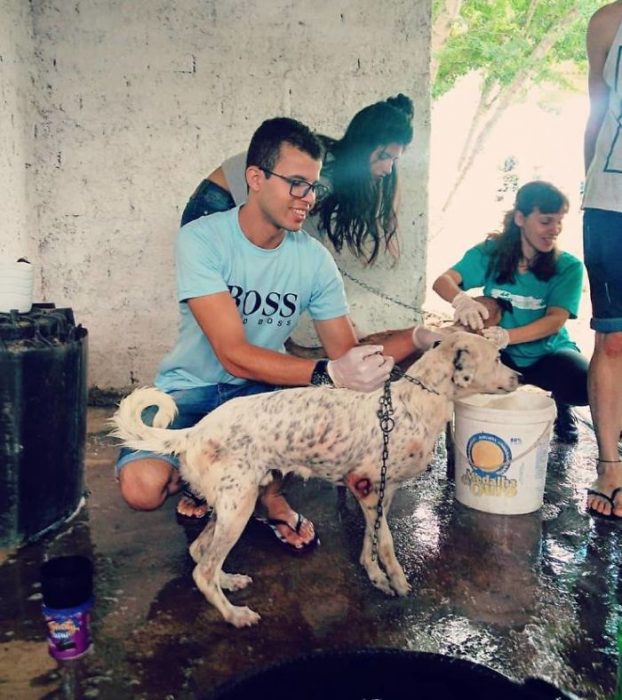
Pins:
x,y
66,581
43,393
386,674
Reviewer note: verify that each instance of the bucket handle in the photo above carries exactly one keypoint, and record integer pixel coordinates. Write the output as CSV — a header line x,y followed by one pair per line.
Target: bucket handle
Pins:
x,y
507,463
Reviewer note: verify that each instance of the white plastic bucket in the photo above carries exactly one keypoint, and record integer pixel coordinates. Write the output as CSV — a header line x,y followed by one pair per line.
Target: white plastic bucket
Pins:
x,y
16,286
502,448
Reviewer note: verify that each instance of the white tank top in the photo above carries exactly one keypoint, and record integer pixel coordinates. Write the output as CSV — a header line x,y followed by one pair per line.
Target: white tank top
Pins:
x,y
603,185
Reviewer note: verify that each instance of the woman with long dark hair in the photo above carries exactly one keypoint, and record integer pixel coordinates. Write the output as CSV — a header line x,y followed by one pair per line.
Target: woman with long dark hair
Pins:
x,y
539,288
358,210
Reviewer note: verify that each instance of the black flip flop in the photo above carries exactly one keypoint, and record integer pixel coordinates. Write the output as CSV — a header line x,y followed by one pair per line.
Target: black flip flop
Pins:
x,y
273,523
611,499
197,501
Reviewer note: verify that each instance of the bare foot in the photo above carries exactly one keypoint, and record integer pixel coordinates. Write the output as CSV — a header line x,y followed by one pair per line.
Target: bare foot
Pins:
x,y
609,479
279,509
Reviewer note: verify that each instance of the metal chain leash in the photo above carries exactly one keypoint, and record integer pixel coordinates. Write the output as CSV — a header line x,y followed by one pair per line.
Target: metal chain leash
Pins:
x,y
398,373
385,416
377,292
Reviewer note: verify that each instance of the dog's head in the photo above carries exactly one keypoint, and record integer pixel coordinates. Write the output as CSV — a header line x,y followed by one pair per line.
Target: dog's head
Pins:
x,y
472,365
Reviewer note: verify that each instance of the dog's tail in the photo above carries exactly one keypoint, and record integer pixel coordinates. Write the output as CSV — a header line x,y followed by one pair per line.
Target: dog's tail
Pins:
x,y
133,432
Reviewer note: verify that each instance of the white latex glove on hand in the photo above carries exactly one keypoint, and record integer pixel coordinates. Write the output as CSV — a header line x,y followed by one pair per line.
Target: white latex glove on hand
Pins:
x,y
362,368
497,335
469,312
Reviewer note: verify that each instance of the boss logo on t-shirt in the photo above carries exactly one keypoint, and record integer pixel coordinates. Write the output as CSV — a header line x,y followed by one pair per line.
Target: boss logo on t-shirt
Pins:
x,y
250,302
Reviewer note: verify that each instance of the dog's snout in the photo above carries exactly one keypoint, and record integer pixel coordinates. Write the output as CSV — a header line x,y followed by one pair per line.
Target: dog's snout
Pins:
x,y
511,382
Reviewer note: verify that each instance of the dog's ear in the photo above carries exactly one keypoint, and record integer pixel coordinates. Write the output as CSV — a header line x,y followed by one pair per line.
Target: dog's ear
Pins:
x,y
464,367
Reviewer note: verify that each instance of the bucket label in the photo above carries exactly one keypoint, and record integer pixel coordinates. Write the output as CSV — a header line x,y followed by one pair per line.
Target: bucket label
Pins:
x,y
489,455
480,486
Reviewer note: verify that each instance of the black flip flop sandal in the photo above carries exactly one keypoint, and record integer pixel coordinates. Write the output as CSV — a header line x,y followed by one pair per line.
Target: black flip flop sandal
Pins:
x,y
273,523
611,500
197,502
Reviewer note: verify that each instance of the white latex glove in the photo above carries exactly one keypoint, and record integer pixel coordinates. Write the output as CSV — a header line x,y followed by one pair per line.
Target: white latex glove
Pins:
x,y
469,312
497,335
362,368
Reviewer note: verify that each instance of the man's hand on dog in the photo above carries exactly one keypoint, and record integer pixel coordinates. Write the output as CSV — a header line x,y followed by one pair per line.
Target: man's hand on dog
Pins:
x,y
469,313
363,368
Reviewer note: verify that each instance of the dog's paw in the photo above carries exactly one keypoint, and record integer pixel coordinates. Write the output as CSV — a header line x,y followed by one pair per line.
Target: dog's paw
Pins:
x,y
240,616
398,579
381,582
234,582
401,587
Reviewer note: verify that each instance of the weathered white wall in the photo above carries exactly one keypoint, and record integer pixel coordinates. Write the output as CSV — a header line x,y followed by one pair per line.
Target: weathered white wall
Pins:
x,y
16,124
137,100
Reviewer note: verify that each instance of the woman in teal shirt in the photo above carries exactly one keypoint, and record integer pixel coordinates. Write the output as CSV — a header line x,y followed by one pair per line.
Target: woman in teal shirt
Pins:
x,y
539,287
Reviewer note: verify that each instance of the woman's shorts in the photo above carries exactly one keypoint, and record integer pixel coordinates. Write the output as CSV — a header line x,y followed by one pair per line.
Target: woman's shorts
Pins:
x,y
602,246
192,405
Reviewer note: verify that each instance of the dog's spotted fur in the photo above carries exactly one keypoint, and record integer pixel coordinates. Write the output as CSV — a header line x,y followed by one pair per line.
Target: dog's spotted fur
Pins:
x,y
333,434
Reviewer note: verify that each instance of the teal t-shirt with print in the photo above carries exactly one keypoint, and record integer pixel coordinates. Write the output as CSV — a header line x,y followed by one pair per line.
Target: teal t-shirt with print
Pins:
x,y
270,287
530,298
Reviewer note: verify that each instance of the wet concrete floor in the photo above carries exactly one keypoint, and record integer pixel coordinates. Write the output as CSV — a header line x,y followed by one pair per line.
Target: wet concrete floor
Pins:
x,y
527,595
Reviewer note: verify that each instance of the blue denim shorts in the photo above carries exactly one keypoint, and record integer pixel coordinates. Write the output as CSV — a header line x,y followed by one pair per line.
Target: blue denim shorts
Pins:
x,y
602,246
192,405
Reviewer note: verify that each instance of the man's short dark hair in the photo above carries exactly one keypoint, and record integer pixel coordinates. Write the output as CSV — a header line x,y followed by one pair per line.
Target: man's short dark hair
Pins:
x,y
265,146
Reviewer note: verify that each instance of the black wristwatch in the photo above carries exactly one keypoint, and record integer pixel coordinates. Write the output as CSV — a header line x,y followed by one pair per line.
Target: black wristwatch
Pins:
x,y
320,376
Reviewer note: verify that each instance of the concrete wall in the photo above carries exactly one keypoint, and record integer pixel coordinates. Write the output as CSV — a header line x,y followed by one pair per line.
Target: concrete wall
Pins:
x,y
135,101
16,125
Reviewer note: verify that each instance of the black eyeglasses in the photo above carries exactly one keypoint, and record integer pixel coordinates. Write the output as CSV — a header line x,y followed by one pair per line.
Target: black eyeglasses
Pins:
x,y
300,188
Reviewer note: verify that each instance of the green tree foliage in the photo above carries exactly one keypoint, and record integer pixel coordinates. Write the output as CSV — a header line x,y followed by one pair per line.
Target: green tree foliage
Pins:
x,y
511,45
500,39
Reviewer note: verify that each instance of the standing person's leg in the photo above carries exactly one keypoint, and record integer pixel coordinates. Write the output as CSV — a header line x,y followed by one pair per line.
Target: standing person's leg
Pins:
x,y
605,391
602,240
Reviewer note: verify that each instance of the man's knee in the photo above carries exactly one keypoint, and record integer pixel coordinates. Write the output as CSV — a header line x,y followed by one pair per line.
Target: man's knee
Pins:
x,y
145,483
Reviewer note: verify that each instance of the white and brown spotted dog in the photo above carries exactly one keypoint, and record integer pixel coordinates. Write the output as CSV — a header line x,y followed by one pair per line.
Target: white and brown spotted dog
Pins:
x,y
333,434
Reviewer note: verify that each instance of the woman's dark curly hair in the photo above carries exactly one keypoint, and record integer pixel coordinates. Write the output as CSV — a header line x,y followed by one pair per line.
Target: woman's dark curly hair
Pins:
x,y
505,246
359,210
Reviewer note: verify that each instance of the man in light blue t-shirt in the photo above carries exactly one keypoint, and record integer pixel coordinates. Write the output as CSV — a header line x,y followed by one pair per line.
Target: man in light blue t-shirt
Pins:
x,y
243,278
